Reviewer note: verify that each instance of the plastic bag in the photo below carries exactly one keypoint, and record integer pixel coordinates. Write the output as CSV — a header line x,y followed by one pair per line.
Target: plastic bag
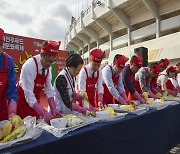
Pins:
x,y
33,132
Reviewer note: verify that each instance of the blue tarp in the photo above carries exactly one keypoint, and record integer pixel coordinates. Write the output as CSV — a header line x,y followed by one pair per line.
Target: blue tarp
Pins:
x,y
154,132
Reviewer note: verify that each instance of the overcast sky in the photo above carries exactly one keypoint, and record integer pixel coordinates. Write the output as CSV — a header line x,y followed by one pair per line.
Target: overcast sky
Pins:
x,y
43,19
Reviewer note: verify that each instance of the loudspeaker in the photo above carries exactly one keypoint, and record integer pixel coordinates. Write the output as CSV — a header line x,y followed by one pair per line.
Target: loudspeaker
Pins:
x,y
143,52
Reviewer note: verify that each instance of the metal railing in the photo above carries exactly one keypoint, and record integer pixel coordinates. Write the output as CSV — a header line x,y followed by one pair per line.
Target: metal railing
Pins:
x,y
95,3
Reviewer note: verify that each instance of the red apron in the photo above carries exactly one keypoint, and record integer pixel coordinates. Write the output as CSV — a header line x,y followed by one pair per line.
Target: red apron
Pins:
x,y
154,81
169,84
137,85
90,88
23,108
126,89
108,97
130,96
3,86
131,77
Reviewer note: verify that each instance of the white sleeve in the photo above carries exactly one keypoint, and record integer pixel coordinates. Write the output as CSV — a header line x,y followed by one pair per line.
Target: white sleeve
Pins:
x,y
120,84
27,82
107,77
99,83
82,81
174,82
178,79
49,91
163,82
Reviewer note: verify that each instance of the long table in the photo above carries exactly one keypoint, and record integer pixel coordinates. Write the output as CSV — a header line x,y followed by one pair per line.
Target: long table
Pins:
x,y
154,132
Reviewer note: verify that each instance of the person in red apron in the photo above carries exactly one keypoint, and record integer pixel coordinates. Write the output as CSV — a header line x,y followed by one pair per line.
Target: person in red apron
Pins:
x,y
163,63
177,76
143,78
177,68
175,80
36,76
8,90
114,91
128,78
164,81
90,79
